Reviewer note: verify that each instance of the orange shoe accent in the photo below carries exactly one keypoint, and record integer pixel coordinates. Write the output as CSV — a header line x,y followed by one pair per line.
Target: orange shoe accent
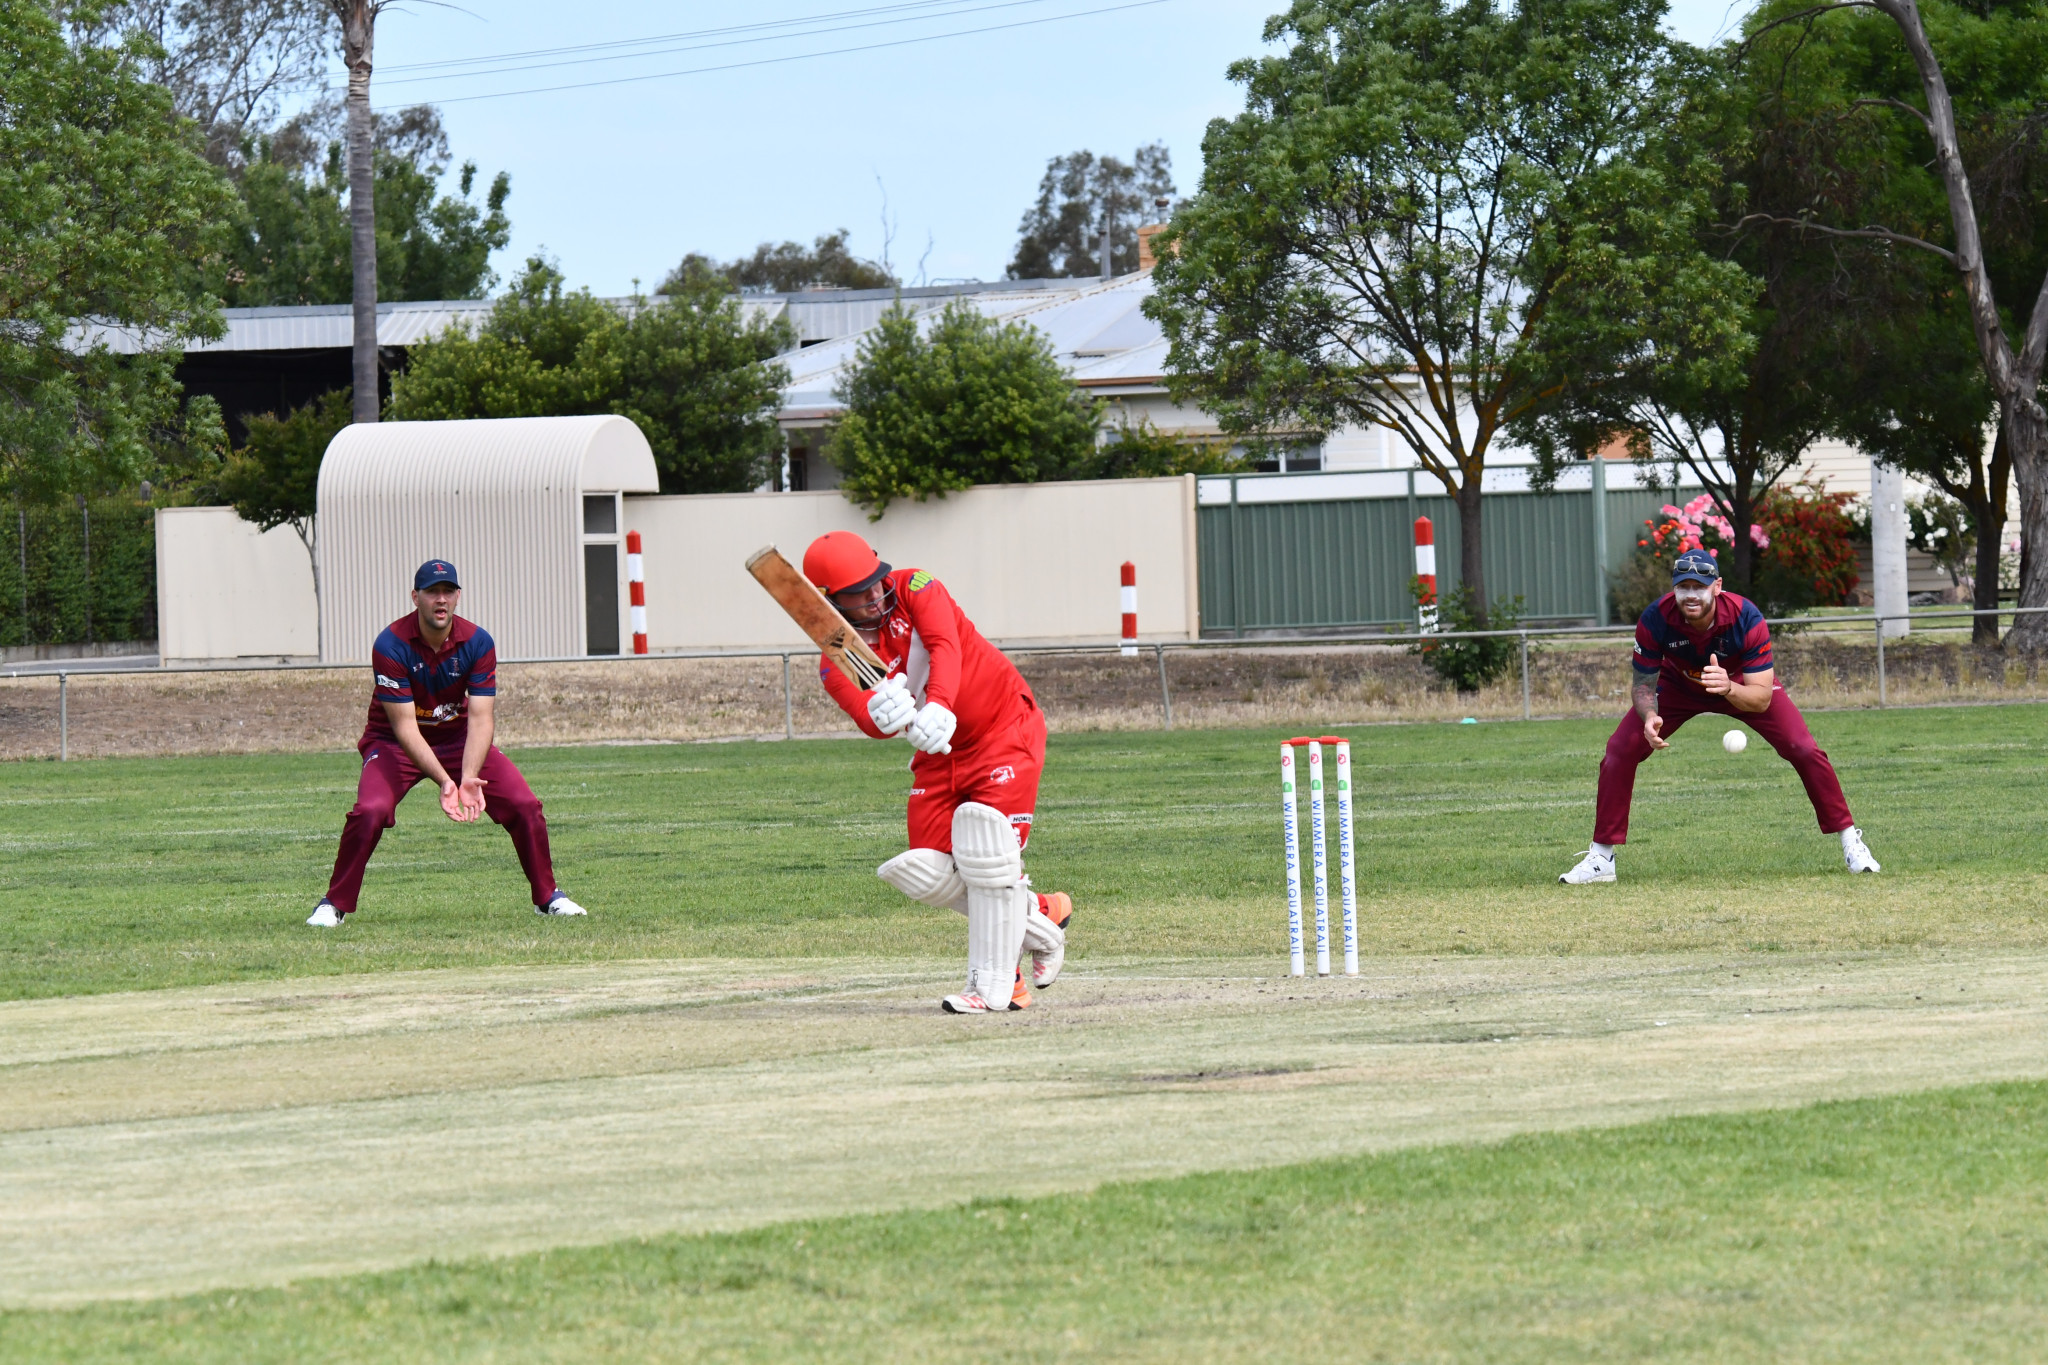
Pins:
x,y
1057,906
1020,995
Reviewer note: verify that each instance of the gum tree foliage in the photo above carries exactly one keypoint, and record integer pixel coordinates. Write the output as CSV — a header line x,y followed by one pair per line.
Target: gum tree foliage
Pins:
x,y
291,242
697,378
783,269
1738,416
1061,234
104,198
965,399
1940,110
1864,184
227,64
1425,214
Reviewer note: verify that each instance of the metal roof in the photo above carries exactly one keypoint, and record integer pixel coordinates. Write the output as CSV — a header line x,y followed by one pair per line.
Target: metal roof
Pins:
x,y
1097,333
331,326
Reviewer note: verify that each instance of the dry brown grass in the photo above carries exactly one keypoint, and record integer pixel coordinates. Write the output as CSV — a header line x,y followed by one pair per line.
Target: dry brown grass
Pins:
x,y
712,699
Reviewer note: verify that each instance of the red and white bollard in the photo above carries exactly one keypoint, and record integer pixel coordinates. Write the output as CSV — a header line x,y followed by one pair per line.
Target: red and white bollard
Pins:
x,y
1128,597
1425,572
636,585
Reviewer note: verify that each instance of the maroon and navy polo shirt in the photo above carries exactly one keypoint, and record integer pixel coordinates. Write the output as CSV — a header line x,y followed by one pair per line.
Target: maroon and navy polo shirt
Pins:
x,y
438,682
1674,653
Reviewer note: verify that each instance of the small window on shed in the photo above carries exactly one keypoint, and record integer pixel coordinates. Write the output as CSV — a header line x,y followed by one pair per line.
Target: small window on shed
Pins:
x,y
600,514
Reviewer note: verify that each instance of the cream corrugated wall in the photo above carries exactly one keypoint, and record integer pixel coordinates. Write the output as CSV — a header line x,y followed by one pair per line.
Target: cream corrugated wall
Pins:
x,y
1029,562
500,498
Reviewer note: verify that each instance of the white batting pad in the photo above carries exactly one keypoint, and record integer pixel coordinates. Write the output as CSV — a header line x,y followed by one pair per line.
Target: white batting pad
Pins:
x,y
995,939
985,847
927,876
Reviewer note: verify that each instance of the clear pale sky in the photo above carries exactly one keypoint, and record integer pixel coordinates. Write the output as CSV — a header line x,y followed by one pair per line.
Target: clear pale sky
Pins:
x,y
617,182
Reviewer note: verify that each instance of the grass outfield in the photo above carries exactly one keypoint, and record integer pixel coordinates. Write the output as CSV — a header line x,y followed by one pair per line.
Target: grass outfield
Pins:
x,y
1907,1229
139,873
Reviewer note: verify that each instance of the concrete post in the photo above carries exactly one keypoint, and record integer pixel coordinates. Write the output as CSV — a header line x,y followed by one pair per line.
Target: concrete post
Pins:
x,y
1888,546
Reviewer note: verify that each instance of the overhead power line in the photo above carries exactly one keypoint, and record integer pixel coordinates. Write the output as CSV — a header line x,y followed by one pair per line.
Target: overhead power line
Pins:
x,y
908,9
805,56
953,9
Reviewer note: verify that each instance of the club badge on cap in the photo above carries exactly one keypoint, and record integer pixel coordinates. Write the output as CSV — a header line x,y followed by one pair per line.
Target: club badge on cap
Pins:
x,y
435,571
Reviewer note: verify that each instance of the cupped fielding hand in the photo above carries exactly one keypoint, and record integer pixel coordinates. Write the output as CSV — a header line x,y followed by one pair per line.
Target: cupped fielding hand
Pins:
x,y
1653,730
1714,678
932,730
890,706
462,802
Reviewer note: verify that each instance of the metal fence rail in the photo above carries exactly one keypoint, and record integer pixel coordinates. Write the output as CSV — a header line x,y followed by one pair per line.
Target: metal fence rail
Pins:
x,y
1522,635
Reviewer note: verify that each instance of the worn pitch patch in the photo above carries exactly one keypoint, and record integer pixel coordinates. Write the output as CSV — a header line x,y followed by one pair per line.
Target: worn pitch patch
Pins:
x,y
243,1134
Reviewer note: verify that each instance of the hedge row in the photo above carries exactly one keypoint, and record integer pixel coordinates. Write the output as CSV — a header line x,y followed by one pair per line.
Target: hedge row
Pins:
x,y
75,575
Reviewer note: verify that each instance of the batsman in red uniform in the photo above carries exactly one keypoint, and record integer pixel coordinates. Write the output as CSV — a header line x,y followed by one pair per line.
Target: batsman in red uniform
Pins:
x,y
980,741
1704,652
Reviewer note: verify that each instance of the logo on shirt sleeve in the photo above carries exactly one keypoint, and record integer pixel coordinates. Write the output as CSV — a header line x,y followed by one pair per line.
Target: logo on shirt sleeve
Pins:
x,y
919,581
392,683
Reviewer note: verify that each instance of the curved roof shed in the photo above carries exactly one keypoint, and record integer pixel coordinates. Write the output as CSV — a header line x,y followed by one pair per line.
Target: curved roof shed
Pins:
x,y
527,508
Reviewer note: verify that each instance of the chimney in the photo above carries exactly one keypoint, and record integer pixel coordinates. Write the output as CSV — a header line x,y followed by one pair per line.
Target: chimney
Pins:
x,y
1146,260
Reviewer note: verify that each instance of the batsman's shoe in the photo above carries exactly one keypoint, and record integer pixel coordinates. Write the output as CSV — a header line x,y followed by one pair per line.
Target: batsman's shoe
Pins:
x,y
1020,997
1855,854
324,915
968,1002
1049,953
1592,867
559,904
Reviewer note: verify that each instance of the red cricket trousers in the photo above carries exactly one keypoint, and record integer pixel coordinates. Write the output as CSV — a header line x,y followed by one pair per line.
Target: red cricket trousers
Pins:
x,y
388,774
1000,769
1781,726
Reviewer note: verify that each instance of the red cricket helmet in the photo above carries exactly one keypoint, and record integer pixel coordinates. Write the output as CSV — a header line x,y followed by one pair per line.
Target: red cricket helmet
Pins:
x,y
841,562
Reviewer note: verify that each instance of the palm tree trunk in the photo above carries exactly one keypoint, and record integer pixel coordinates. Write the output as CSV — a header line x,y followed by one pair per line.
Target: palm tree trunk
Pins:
x,y
358,33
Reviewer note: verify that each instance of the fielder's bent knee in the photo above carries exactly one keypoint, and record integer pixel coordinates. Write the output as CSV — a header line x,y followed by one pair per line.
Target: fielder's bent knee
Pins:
x,y
985,848
925,875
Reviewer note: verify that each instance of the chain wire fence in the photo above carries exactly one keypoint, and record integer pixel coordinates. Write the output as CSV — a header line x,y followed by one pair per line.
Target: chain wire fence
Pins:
x,y
1829,662
82,572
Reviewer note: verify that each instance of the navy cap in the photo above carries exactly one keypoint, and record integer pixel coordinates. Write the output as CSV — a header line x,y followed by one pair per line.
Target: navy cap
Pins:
x,y
435,571
1697,565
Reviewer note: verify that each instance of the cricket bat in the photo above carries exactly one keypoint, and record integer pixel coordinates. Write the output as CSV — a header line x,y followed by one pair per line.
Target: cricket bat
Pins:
x,y
819,619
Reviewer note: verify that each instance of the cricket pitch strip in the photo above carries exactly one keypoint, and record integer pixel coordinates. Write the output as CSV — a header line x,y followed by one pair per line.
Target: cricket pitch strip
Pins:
x,y
250,1134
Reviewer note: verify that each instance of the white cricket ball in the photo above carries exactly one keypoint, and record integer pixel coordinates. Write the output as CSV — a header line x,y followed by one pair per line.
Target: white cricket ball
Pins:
x,y
1735,741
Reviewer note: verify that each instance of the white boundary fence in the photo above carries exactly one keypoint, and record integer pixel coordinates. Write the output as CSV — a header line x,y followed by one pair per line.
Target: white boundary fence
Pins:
x,y
1830,625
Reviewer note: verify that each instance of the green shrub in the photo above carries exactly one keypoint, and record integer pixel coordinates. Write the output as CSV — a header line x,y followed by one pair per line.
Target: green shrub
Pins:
x,y
1469,665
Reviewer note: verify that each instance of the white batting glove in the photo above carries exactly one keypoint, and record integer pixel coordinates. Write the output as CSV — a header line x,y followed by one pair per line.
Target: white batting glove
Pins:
x,y
932,730
890,706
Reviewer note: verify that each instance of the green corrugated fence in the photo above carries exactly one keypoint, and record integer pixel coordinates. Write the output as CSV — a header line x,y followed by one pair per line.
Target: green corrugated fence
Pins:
x,y
1278,553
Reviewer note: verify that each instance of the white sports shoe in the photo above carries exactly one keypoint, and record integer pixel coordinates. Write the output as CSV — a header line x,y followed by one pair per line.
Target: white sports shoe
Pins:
x,y
324,916
967,1002
1592,867
1855,854
559,904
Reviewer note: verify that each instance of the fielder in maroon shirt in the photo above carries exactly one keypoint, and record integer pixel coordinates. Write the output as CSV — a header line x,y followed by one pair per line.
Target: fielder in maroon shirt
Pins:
x,y
431,716
1702,651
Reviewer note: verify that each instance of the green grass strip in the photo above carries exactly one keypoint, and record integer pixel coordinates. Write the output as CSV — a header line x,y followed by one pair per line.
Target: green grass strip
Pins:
x,y
138,873
1909,1228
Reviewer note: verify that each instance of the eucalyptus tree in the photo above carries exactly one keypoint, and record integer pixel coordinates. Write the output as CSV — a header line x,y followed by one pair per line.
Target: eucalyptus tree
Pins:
x,y
1953,171
1414,190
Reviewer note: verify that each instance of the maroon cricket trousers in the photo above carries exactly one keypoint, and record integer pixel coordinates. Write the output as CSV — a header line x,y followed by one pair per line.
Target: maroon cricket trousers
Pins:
x,y
388,774
1781,726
